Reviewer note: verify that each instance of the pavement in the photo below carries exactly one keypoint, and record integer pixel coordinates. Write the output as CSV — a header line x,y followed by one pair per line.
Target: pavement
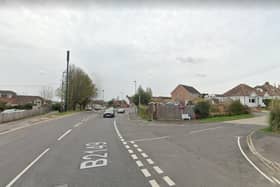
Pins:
x,y
88,150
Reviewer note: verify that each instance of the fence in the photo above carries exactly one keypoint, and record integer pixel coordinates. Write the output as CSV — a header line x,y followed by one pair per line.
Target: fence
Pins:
x,y
161,111
6,117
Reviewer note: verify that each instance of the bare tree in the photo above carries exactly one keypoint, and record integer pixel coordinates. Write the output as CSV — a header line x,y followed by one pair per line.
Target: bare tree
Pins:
x,y
47,92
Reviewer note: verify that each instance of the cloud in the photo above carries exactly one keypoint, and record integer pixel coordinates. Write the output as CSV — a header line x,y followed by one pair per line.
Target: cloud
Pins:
x,y
190,60
202,75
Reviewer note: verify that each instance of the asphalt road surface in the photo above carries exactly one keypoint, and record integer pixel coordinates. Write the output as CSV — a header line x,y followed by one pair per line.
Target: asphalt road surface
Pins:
x,y
85,150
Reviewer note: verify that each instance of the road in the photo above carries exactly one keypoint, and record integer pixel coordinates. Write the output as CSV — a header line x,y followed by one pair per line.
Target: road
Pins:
x,y
87,150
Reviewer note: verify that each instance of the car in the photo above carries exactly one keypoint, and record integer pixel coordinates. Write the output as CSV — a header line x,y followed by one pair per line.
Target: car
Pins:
x,y
88,108
109,113
121,110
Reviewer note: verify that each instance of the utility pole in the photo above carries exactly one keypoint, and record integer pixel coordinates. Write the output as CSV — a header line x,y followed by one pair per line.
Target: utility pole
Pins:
x,y
134,87
103,95
67,80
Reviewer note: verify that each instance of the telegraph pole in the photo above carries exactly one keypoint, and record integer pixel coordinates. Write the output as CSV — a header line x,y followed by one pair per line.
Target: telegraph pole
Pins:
x,y
67,80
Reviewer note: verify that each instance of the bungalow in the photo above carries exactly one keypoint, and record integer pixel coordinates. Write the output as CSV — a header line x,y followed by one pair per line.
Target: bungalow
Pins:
x,y
253,97
10,98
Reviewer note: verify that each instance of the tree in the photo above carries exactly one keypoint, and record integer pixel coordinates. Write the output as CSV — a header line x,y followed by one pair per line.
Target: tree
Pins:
x,y
145,96
47,92
81,88
274,118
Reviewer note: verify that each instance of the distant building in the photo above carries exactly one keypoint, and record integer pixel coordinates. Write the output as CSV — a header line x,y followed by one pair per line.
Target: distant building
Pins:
x,y
253,97
10,98
161,99
184,94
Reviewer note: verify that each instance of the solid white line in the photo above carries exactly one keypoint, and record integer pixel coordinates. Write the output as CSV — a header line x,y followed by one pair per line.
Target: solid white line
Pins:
x,y
139,150
25,169
127,146
62,136
149,139
169,181
130,151
150,161
134,157
260,171
154,183
146,173
139,163
144,155
135,145
158,170
202,130
276,180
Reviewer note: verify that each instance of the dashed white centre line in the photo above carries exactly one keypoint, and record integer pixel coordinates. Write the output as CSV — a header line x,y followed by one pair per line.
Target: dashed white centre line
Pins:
x,y
150,161
139,163
158,170
132,142
135,145
154,183
168,181
127,146
134,156
130,151
78,124
64,134
25,169
139,150
124,143
146,173
144,155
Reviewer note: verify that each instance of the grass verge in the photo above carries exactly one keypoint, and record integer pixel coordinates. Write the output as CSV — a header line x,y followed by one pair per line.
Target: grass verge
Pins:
x,y
225,118
269,130
65,113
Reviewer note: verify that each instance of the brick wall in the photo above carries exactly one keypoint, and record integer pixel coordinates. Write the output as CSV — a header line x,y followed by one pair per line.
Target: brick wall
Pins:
x,y
180,94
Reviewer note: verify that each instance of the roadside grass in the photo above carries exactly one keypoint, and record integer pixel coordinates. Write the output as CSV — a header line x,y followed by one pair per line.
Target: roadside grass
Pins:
x,y
225,118
143,113
269,130
65,113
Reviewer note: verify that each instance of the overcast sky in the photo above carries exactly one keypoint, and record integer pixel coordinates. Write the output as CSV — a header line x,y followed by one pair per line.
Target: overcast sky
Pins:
x,y
210,48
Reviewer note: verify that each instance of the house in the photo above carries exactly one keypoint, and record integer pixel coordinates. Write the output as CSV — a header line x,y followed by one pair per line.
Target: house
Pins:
x,y
184,94
253,97
10,98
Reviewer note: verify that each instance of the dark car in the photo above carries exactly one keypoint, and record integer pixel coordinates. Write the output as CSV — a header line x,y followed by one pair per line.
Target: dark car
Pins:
x,y
109,113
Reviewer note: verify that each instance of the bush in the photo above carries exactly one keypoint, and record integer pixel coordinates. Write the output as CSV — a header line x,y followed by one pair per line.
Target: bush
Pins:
x,y
144,112
236,108
267,102
274,119
27,106
202,109
57,107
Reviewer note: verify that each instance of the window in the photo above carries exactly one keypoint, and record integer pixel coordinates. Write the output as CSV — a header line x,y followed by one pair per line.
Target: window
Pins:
x,y
252,100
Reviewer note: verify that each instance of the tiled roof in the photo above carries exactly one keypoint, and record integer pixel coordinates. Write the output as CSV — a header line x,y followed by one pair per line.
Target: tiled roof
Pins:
x,y
240,90
269,89
20,99
190,89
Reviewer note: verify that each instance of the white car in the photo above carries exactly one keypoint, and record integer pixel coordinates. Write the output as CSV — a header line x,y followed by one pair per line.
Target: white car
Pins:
x,y
121,110
186,117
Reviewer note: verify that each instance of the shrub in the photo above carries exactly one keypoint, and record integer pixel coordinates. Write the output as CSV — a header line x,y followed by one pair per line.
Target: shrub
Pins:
x,y
27,106
267,102
57,106
236,108
201,109
144,112
274,119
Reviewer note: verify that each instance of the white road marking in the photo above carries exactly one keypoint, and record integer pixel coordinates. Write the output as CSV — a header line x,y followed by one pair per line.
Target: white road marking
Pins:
x,y
150,161
276,180
158,170
132,142
252,163
134,157
130,151
139,163
78,124
169,181
64,134
149,139
127,146
146,173
25,169
135,145
122,140
202,130
61,185
139,150
144,155
124,143
154,183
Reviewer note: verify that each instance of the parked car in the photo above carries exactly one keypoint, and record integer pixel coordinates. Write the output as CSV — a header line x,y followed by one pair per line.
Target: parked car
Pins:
x,y
88,108
109,113
186,117
121,110
8,111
